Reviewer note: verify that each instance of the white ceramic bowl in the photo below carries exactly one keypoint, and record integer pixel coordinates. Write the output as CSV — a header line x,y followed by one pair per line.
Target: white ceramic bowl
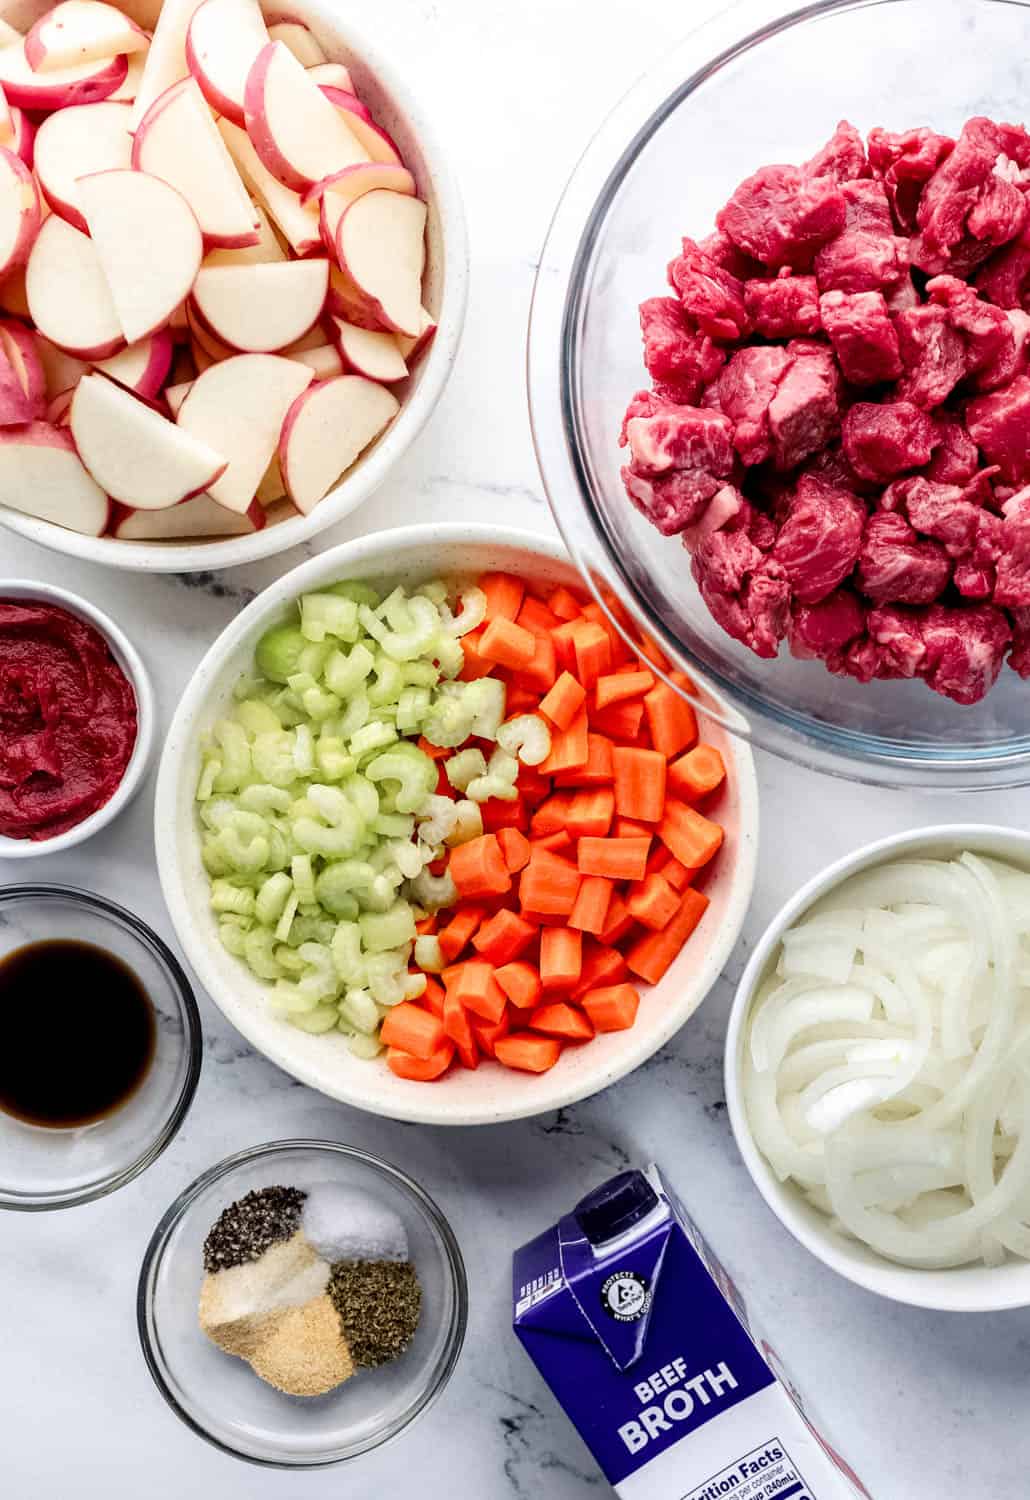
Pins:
x,y
974,1288
128,658
489,1094
395,104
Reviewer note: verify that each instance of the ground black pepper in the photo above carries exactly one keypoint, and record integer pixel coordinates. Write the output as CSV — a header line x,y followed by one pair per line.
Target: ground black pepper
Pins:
x,y
245,1230
379,1303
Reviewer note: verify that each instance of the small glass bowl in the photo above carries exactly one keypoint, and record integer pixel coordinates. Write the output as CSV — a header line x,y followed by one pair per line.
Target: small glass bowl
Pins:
x,y
218,1395
43,1168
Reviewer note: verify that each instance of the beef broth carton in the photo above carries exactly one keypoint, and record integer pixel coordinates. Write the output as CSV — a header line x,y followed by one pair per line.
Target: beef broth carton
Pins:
x,y
645,1341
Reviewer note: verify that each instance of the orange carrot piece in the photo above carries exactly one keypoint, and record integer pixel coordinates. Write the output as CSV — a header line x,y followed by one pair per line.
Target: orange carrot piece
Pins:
x,y
618,922
601,965
435,752
456,1022
621,721
562,640
652,901
616,687
697,773
662,863
564,604
488,1033
564,701
475,987
570,748
520,981
478,869
561,1020
475,665
559,842
459,930
419,1069
504,594
561,957
549,884
613,1008
503,937
498,815
428,925
651,955
639,783
536,617
432,997
629,828
507,644
468,1056
551,816
412,1029
617,859
591,813
541,670
591,909
598,769
527,1052
515,848
689,836
592,650
670,719
532,787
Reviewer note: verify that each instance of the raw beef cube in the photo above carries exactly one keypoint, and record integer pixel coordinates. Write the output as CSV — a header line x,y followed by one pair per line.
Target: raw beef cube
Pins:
x,y
969,206
843,157
903,295
892,647
720,248
882,440
1000,425
781,217
906,162
823,630
673,502
785,308
965,650
862,336
1004,278
1019,656
976,573
987,332
933,355
744,590
746,389
804,414
941,511
679,437
1013,566
679,359
711,296
956,457
819,540
867,255
724,511
895,566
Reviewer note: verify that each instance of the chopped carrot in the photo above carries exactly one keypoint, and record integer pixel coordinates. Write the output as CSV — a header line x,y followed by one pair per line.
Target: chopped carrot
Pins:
x,y
616,687
478,869
521,983
515,848
468,1056
475,664
651,955
591,909
459,931
561,1020
432,997
536,617
420,1070
570,748
621,721
529,1053
532,787
557,843
639,783
542,669
592,649
618,859
601,965
591,812
598,769
564,604
549,884
561,957
412,1029
689,836
697,773
618,922
435,752
670,719
613,1008
629,828
475,987
652,901
562,639
504,594
564,701
504,937
663,863
552,815
507,644
488,1033
501,816
456,1022
428,925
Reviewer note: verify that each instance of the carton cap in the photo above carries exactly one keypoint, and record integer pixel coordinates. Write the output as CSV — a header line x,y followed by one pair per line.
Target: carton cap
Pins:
x,y
615,1207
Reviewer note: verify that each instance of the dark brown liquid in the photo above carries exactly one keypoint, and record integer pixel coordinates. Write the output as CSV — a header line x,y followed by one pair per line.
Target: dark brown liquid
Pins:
x,y
77,1034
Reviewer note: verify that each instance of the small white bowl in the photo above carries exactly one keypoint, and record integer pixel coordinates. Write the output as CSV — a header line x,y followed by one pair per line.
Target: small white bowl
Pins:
x,y
395,104
128,658
973,1288
490,1094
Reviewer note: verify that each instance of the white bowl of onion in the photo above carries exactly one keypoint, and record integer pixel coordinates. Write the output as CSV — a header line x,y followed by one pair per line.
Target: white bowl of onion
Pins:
x,y
878,1067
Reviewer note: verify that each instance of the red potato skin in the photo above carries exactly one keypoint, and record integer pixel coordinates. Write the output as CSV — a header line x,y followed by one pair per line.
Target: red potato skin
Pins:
x,y
362,177
55,94
31,373
148,386
289,422
347,301
256,121
371,306
35,44
31,211
24,136
230,108
59,410
45,435
379,144
121,514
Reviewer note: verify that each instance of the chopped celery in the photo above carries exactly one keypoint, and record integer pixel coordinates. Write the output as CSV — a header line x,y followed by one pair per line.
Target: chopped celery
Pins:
x,y
371,737
356,589
429,955
209,774
389,929
322,1019
344,675
464,767
363,1046
226,897
359,1009
526,736
257,718
328,614
413,771
285,922
473,613
468,823
303,877
499,780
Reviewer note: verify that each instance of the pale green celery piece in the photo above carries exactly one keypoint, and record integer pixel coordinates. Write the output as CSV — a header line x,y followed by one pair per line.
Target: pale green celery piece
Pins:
x,y
332,759
272,755
303,877
328,614
354,717
216,813
486,699
463,767
211,856
319,959
319,704
356,589
393,826
365,1047
299,684
387,973
371,737
429,955
499,781
341,881
209,773
468,823
288,960
303,750
408,856
248,686
438,817
359,1009
314,926
279,651
345,674
412,707
244,853
257,717
389,680
318,1021
360,791
290,999
285,922
527,736
436,590
471,615
420,674
413,771
265,799
259,951
231,739
280,845
414,986
346,950
449,656
226,897
433,891
415,625
233,939
388,929
272,898
314,657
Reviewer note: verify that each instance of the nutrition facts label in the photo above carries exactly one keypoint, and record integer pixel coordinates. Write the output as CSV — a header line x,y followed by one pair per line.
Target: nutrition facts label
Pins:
x,y
766,1473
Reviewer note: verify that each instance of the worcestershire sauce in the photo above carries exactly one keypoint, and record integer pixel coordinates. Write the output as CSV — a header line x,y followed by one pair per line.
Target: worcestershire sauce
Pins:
x,y
77,1034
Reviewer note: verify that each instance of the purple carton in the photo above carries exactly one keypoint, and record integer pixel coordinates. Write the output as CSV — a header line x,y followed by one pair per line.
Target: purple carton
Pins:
x,y
646,1342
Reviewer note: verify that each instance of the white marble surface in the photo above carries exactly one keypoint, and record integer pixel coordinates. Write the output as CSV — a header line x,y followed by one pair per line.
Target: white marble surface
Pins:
x,y
923,1404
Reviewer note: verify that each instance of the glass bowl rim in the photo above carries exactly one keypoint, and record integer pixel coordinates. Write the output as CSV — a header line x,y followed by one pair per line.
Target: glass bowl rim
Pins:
x,y
158,1244
111,911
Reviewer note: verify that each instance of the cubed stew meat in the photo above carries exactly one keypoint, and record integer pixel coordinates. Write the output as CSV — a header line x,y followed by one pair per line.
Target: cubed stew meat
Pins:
x,y
838,427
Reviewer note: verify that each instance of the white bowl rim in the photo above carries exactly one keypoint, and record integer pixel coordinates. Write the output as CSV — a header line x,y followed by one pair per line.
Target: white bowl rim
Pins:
x,y
131,663
428,1106
370,471
936,1290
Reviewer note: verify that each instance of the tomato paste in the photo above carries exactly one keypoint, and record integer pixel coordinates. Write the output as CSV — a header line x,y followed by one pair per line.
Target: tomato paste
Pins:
x,y
68,720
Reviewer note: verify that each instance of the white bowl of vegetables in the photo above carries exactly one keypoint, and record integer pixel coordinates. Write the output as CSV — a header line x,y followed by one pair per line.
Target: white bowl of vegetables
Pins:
x,y
296,899
877,1067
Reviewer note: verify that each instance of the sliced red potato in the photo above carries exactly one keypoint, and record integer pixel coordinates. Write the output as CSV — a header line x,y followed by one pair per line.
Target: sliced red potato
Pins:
x,y
41,475
23,143
136,455
377,143
334,74
175,395
143,367
296,131
201,335
363,177
67,294
298,223
58,410
412,349
238,408
198,517
222,43
345,300
325,430
178,141
260,309
127,91
20,215
310,340
19,345
380,245
369,353
87,83
266,251
166,60
6,122
15,408
301,42
324,360
271,489
81,31
61,371
148,243
76,142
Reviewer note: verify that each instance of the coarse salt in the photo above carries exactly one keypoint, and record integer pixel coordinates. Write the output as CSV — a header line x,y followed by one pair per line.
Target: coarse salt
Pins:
x,y
342,1223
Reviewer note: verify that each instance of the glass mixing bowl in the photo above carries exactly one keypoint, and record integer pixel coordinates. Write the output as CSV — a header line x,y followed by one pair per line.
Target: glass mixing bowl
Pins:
x,y
661,166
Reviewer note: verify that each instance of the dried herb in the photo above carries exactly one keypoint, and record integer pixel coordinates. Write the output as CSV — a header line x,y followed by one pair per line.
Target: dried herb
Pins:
x,y
245,1230
379,1303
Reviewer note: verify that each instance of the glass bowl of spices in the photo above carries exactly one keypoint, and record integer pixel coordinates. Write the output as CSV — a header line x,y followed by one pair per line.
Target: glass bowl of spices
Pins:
x,y
101,1047
301,1303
